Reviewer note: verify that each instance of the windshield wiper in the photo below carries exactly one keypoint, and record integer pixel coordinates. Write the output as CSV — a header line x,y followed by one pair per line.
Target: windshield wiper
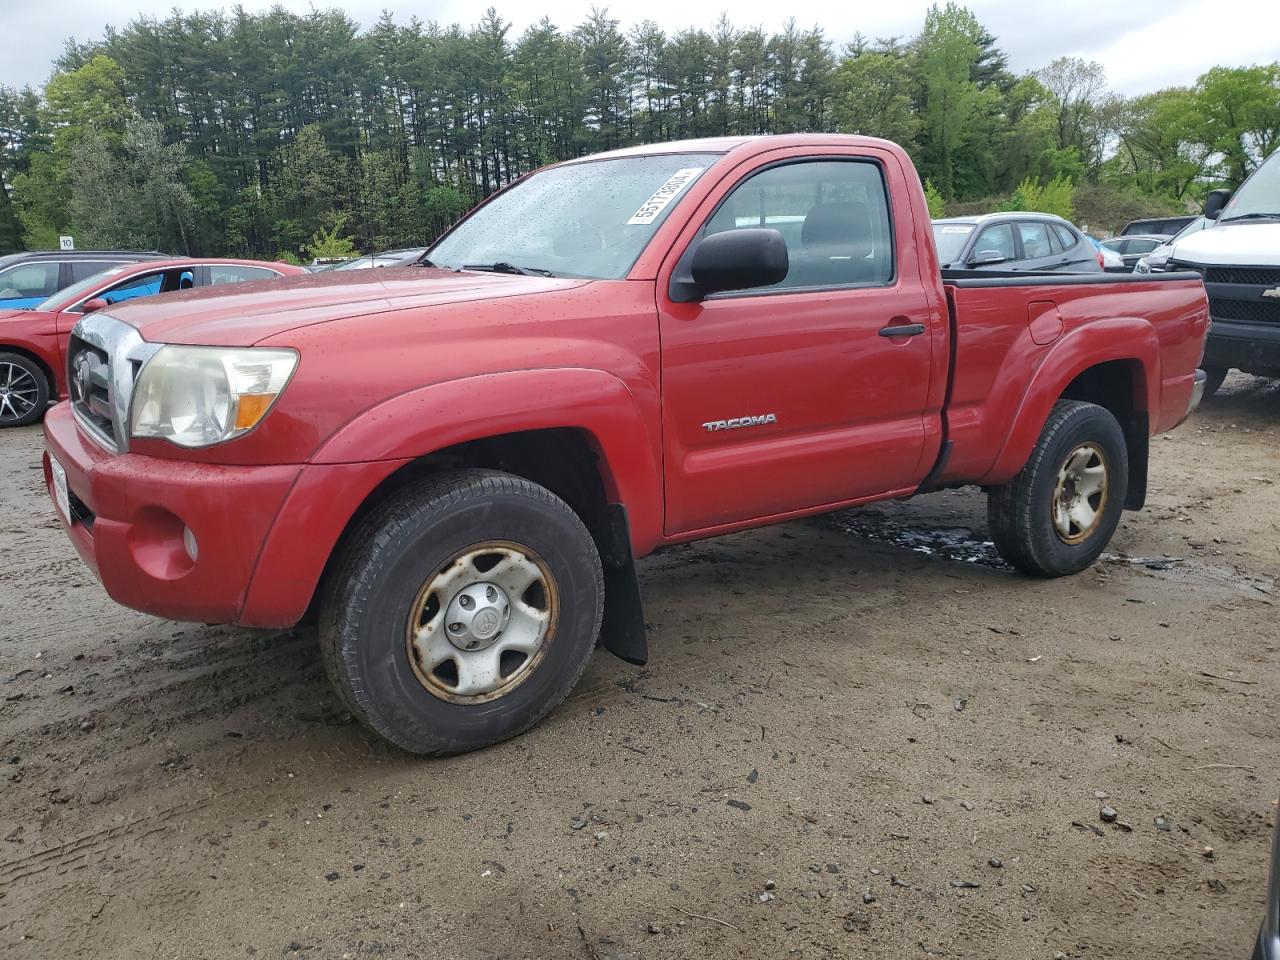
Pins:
x,y
503,266
1252,216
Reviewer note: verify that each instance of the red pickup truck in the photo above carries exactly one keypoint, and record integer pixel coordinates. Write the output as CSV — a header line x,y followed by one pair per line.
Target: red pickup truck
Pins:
x,y
453,465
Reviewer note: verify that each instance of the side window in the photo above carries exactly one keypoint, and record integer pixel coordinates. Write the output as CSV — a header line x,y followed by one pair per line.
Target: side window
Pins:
x,y
996,241
833,214
1142,246
144,285
25,281
229,273
1055,245
1065,236
1035,240
84,269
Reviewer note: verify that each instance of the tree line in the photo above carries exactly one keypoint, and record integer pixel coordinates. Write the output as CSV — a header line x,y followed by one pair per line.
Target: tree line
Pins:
x,y
278,134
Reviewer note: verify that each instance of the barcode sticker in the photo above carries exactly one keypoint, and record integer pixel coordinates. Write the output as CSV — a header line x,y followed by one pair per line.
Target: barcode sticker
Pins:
x,y
650,209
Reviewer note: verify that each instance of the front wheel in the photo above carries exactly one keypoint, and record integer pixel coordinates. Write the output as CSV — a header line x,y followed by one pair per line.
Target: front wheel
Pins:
x,y
24,390
462,611
1214,376
1059,513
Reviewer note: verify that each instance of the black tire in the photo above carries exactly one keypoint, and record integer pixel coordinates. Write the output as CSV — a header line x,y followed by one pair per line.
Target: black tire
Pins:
x,y
24,390
1022,513
1214,382
381,578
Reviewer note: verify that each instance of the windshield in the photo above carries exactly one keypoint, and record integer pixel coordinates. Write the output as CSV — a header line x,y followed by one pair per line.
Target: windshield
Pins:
x,y
950,239
1195,226
588,219
74,292
1259,196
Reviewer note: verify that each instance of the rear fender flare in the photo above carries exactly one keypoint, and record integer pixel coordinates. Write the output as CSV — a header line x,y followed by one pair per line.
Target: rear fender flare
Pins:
x,y
1130,339
428,419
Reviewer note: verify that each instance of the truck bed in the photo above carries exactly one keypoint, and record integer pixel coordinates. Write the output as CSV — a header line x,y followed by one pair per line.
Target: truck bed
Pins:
x,y
1004,325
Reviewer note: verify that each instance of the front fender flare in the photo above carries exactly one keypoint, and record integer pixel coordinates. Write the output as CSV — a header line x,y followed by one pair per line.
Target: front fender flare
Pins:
x,y
1130,339
622,427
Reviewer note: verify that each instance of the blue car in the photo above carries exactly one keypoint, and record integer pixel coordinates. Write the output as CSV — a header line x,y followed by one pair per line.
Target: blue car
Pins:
x,y
26,279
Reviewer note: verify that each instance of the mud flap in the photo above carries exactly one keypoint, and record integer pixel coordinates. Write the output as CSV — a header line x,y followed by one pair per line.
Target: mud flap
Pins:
x,y
623,631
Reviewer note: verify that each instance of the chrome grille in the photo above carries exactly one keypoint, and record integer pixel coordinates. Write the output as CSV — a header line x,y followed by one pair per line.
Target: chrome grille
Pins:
x,y
1248,311
103,359
89,384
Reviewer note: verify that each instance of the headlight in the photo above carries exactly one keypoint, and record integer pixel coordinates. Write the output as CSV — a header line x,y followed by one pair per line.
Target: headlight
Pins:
x,y
197,396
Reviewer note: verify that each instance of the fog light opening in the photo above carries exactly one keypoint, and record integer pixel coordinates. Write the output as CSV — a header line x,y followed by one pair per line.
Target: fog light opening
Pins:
x,y
189,544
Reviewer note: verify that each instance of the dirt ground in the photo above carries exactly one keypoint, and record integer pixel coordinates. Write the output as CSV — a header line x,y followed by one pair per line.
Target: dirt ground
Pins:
x,y
857,737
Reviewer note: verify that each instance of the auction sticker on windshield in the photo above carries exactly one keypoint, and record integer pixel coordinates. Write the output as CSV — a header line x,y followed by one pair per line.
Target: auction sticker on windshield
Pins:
x,y
650,209
60,489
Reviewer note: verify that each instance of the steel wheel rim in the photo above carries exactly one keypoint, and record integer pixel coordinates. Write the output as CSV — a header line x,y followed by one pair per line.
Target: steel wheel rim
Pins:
x,y
19,392
1080,494
481,624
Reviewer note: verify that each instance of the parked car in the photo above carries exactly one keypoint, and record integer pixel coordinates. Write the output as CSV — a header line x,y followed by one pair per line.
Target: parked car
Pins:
x,y
33,341
1239,258
385,258
1158,226
1134,248
456,464
1108,259
27,279
1013,242
1158,259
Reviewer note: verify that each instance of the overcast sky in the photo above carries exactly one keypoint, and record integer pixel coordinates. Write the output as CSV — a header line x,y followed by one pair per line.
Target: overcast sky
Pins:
x,y
1143,44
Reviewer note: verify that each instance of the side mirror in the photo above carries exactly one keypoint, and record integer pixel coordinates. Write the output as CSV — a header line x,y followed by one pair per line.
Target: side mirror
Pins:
x,y
732,260
1214,202
986,258
90,306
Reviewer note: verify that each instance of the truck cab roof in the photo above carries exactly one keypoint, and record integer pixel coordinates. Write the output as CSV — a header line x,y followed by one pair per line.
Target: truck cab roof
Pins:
x,y
750,144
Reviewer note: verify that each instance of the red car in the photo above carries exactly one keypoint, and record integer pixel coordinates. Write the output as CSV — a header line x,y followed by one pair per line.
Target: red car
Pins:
x,y
33,342
456,463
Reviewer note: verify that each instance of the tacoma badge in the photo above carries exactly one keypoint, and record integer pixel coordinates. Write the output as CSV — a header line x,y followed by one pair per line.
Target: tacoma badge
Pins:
x,y
759,420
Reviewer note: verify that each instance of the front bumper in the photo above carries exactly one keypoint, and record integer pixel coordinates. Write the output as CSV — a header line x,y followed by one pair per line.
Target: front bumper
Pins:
x,y
263,533
1252,347
130,514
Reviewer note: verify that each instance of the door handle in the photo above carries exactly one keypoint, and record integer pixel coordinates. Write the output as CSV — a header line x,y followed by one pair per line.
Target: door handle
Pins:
x,y
903,330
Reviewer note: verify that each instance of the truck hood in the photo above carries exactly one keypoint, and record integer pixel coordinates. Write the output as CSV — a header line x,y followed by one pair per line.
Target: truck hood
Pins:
x,y
246,313
1245,244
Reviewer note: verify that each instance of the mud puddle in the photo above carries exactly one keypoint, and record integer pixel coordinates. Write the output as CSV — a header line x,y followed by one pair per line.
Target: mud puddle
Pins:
x,y
959,543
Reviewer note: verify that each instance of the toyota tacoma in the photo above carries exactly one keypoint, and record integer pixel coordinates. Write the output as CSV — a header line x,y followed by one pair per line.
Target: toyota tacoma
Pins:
x,y
452,466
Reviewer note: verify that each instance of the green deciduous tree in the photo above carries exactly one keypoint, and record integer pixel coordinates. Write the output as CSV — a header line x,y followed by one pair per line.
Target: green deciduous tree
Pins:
x,y
1239,109
949,52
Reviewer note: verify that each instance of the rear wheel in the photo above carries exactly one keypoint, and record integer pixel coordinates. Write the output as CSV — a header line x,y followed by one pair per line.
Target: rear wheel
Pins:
x,y
462,611
1060,512
24,390
1214,382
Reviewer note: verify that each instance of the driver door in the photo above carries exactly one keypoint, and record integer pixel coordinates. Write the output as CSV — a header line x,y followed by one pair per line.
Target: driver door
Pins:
x,y
794,397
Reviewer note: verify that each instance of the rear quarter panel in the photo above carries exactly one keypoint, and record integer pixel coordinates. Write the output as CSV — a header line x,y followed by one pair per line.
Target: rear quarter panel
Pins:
x,y
1005,383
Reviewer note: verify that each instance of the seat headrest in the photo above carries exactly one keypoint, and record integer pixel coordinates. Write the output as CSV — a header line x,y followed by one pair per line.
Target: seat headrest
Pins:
x,y
846,224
